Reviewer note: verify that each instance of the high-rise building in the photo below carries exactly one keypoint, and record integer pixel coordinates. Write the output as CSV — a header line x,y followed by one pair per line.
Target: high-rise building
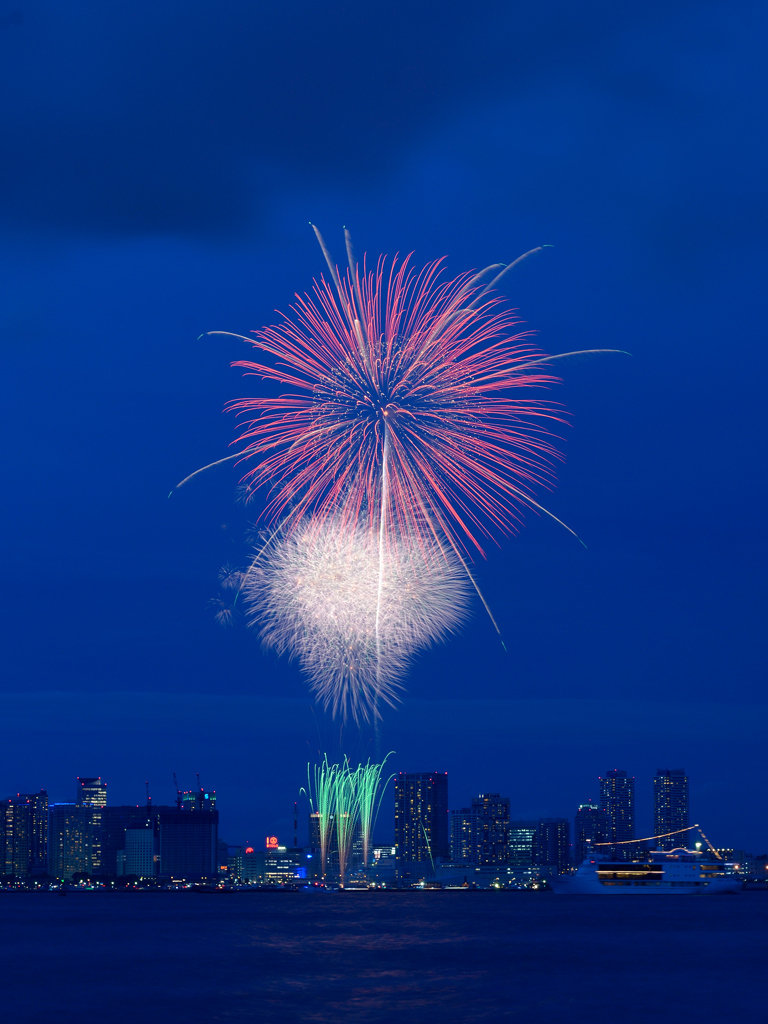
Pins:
x,y
522,843
617,808
92,797
490,814
68,840
421,821
587,829
140,857
462,836
553,843
114,823
670,807
187,842
38,831
15,837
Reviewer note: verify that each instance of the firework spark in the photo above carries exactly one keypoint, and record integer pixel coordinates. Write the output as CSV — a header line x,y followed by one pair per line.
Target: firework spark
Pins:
x,y
354,616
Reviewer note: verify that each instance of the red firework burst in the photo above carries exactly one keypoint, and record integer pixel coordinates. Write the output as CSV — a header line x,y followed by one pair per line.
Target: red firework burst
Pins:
x,y
403,391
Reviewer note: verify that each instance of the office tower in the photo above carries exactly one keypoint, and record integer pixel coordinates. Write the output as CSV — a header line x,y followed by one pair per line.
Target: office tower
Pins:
x,y
522,843
617,807
15,837
587,830
462,836
188,839
92,798
421,821
490,813
670,807
140,851
68,850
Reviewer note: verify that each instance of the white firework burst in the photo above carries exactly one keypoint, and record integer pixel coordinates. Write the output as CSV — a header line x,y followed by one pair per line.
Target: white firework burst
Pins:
x,y
353,609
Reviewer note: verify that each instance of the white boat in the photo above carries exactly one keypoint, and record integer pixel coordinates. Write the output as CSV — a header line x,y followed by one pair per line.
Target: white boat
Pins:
x,y
672,872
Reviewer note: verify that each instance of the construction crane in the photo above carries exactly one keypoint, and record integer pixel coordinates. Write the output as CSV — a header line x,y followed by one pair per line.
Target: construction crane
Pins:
x,y
149,798
178,792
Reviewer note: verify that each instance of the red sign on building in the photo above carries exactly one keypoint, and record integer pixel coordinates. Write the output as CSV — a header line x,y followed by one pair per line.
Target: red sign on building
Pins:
x,y
272,843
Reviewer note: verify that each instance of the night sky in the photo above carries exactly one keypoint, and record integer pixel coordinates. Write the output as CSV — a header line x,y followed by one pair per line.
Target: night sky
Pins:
x,y
161,165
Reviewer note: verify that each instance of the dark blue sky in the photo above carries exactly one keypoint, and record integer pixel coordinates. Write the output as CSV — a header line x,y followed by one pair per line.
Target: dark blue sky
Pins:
x,y
161,164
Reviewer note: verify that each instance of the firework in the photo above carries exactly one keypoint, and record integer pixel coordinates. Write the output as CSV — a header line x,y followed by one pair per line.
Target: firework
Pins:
x,y
351,613
345,803
409,422
403,399
369,793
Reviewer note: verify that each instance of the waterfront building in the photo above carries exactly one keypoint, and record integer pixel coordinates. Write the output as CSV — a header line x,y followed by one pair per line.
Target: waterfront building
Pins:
x,y
69,832
38,831
140,857
92,798
587,829
553,844
421,822
617,808
522,843
462,836
670,807
187,842
15,835
490,817
114,823
236,861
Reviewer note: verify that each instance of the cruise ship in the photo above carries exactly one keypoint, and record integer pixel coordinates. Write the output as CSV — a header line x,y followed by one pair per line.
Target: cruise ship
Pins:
x,y
678,872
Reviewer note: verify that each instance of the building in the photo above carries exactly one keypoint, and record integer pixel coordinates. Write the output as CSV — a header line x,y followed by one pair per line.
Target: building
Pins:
x,y
522,843
69,831
114,823
587,829
462,836
617,808
553,844
140,855
187,843
670,807
92,797
15,837
490,817
421,822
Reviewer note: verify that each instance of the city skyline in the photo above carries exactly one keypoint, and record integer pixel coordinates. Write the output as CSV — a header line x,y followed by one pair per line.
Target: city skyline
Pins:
x,y
425,827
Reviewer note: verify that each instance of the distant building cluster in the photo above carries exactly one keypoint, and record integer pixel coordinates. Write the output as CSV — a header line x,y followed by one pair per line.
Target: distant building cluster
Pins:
x,y
481,844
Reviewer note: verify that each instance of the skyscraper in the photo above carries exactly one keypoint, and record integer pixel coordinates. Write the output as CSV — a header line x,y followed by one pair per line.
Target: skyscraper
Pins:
x,y
67,847
38,831
421,821
617,808
553,843
670,807
15,829
92,798
188,837
490,814
522,843
587,829
462,835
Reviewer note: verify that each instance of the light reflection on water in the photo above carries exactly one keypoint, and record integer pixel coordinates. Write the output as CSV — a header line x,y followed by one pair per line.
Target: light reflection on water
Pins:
x,y
381,957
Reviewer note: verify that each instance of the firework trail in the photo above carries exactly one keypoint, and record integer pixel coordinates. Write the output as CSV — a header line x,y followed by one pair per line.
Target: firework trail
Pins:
x,y
345,803
354,607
